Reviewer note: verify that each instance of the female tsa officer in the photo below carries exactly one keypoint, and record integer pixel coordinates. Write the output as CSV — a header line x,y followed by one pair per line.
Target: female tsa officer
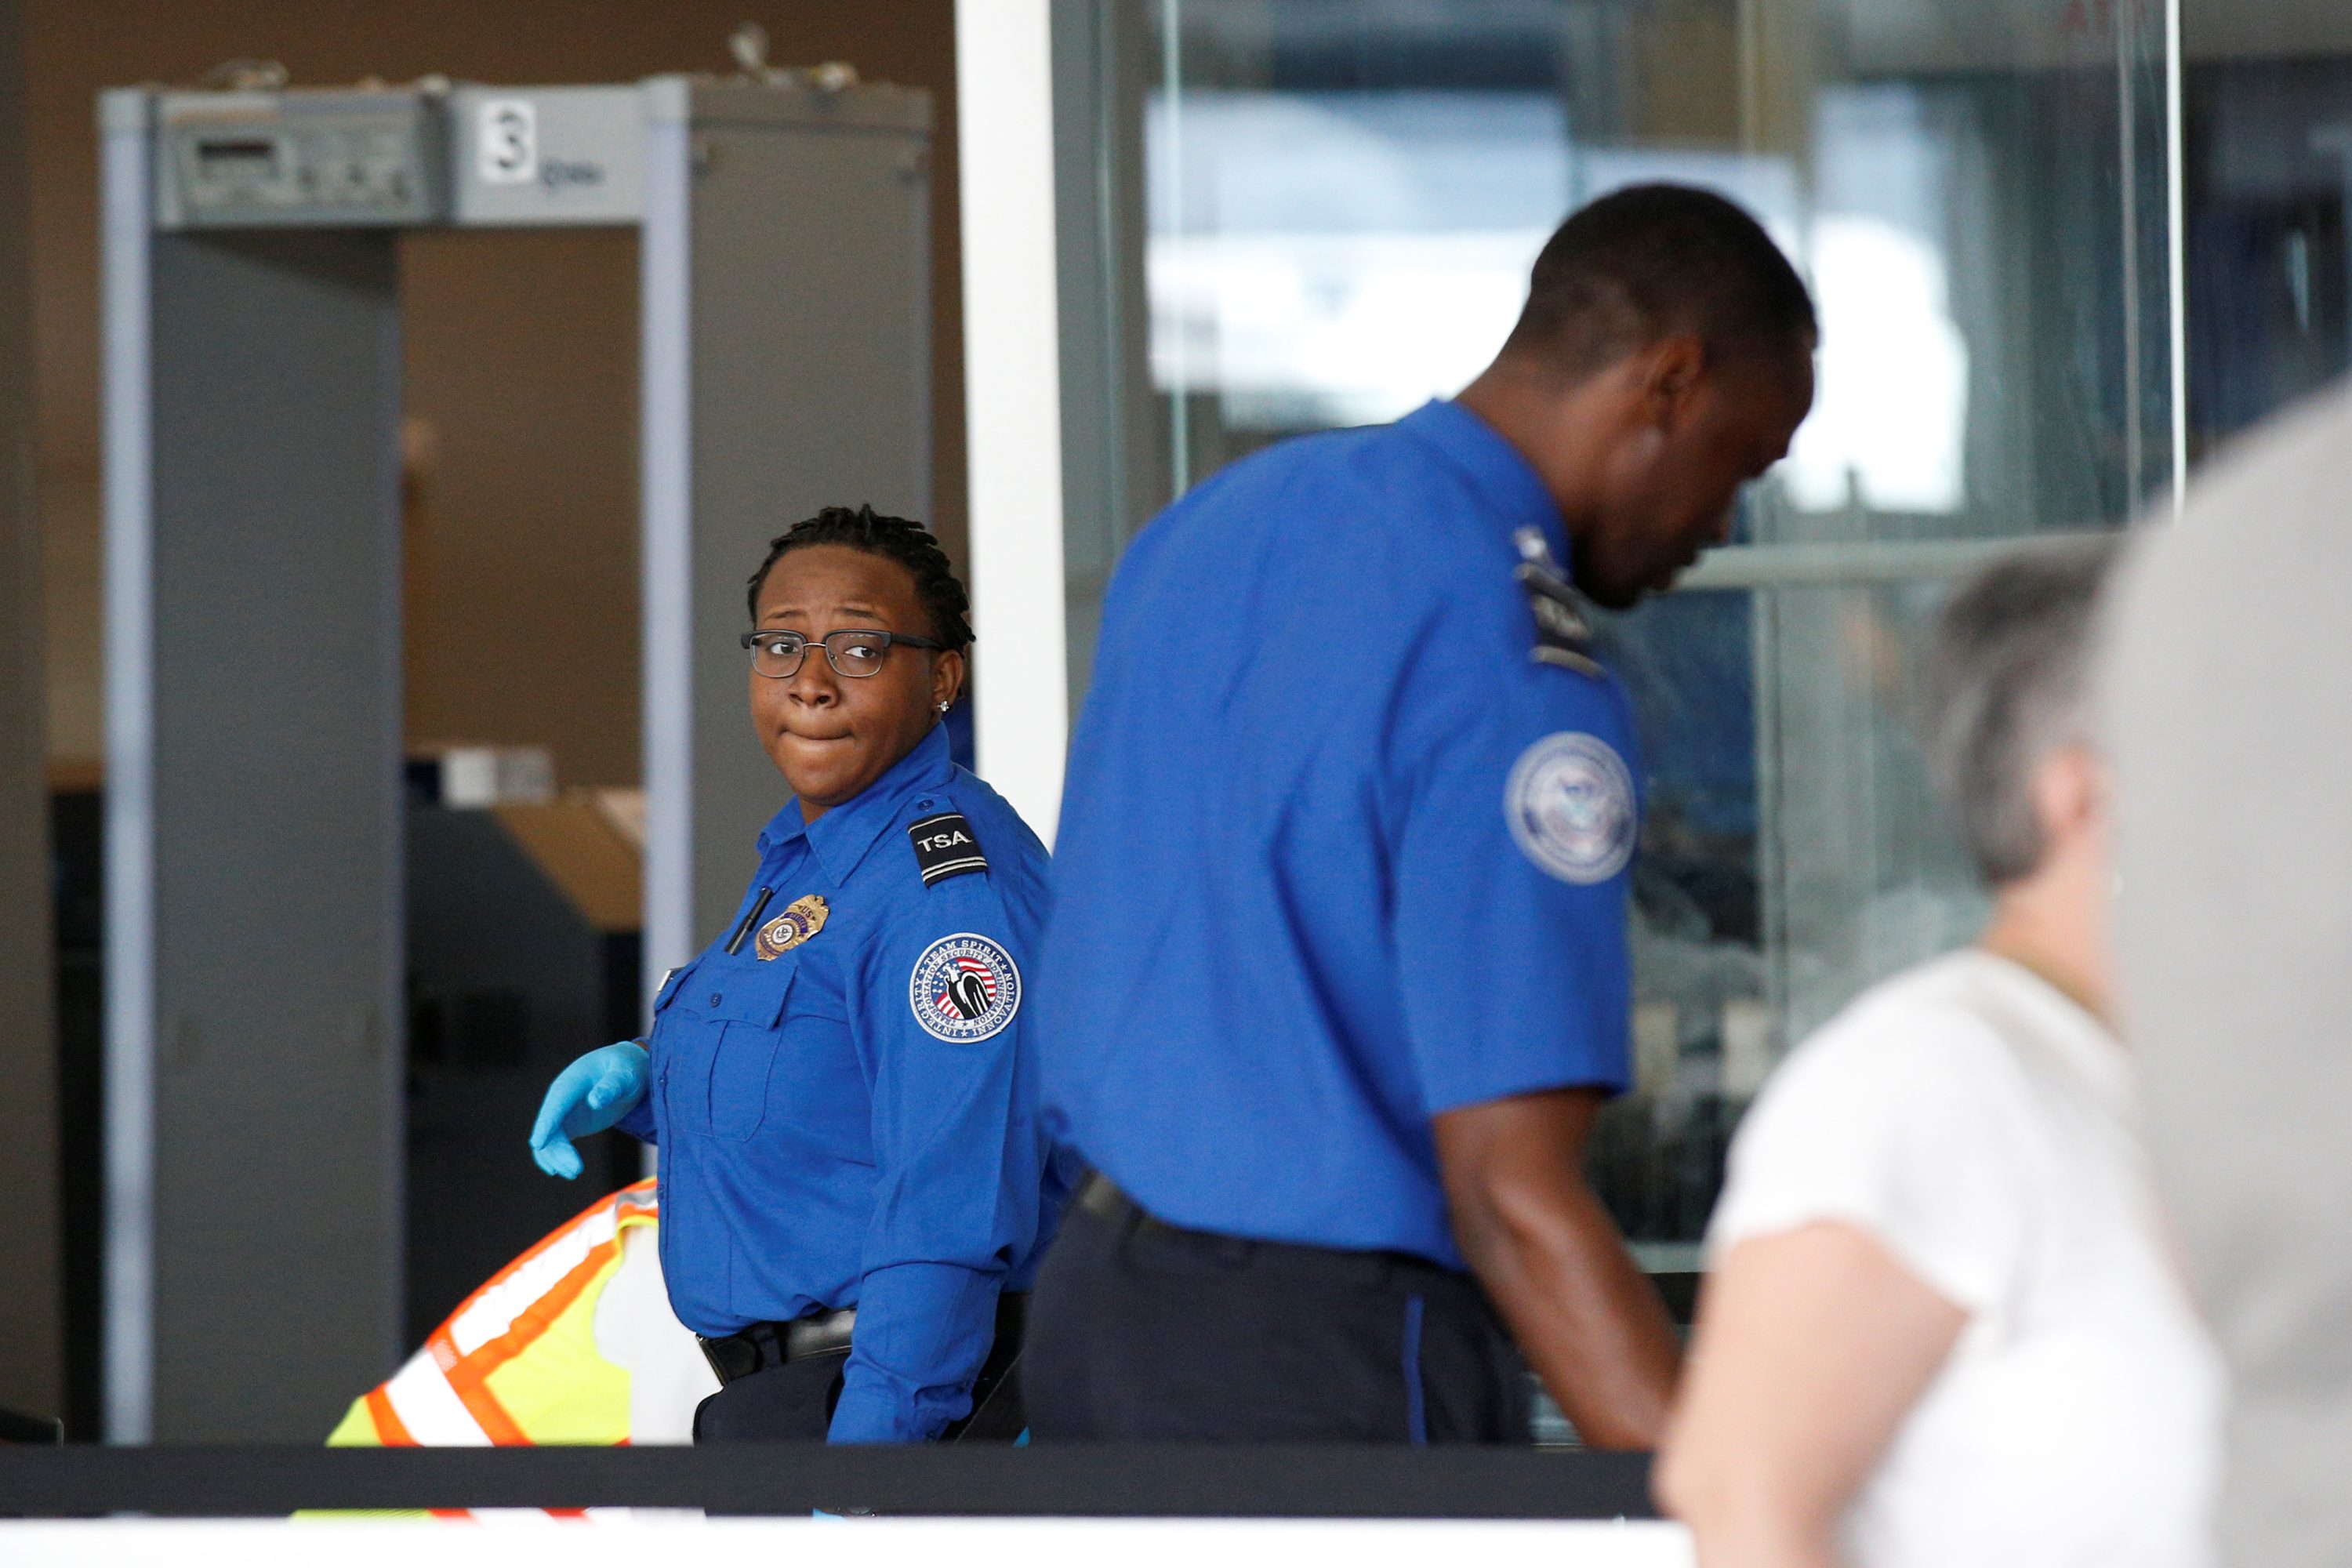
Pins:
x,y
854,1188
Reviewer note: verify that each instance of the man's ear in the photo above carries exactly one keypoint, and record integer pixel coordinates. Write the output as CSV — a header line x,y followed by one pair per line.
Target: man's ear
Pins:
x,y
1670,377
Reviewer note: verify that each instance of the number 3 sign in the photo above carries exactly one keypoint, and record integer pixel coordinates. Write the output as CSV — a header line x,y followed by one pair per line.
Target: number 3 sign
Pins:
x,y
507,134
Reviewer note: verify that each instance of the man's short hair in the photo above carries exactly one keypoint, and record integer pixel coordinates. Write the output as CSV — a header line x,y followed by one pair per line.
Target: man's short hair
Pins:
x,y
2006,683
1654,261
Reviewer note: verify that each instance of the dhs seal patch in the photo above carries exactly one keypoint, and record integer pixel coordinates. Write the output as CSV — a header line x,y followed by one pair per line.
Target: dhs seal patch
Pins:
x,y
1570,802
964,987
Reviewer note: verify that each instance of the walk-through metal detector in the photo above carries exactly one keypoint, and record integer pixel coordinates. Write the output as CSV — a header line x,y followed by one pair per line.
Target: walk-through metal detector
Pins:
x,y
252,399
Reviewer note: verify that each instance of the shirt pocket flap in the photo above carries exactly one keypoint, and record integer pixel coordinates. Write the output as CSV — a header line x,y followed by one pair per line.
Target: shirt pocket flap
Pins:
x,y
754,997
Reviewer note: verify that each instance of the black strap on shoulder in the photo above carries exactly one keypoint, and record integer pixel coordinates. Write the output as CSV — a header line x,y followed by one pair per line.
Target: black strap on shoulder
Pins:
x,y
1563,635
945,846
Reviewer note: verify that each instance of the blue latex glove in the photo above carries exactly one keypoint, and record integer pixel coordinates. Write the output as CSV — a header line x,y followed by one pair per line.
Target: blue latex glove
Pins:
x,y
587,1097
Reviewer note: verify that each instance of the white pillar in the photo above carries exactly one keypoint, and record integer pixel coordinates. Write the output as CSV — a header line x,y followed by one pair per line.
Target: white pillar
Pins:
x,y
1004,128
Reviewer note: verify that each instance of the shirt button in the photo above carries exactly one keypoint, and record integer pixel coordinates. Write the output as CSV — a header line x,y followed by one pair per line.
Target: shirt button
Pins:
x,y
714,998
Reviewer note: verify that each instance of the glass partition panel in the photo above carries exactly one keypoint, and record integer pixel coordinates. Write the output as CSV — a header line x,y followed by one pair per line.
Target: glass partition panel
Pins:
x,y
1342,201
2268,172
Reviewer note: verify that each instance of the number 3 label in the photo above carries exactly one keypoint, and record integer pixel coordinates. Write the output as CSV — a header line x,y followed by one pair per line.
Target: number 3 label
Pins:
x,y
509,135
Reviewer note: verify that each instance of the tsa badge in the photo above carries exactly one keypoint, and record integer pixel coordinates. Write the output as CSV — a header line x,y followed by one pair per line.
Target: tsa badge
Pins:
x,y
965,987
802,920
1570,802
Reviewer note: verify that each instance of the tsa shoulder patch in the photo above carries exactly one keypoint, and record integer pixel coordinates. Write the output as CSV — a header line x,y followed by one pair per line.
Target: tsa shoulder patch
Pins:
x,y
965,987
1570,802
944,847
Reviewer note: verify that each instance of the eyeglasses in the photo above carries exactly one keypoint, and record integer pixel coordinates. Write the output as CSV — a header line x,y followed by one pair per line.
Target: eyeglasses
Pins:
x,y
856,654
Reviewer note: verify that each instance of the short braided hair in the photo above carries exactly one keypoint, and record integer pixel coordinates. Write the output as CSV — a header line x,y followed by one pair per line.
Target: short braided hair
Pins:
x,y
899,539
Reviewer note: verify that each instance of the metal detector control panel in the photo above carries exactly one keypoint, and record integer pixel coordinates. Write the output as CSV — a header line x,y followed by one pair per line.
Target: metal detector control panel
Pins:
x,y
466,156
352,159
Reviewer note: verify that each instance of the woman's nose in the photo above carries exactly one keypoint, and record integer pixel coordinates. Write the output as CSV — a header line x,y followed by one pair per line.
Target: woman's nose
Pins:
x,y
811,685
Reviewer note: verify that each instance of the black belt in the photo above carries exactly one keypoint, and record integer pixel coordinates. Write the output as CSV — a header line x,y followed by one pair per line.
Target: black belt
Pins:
x,y
1100,1197
763,1345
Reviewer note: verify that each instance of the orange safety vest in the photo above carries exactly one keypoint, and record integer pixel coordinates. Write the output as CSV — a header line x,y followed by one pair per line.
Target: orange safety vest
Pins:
x,y
517,1363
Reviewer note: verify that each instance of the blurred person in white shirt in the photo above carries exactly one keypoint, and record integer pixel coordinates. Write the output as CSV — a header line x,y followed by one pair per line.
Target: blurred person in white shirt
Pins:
x,y
1942,1323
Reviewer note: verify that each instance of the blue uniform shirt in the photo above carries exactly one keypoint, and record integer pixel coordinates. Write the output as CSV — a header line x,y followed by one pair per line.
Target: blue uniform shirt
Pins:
x,y
850,1120
1337,851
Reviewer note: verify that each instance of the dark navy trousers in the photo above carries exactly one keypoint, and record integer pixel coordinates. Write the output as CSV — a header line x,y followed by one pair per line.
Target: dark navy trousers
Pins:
x,y
1140,1331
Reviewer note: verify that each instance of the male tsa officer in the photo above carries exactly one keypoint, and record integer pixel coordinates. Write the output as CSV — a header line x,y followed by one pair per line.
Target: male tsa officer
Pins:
x,y
1336,979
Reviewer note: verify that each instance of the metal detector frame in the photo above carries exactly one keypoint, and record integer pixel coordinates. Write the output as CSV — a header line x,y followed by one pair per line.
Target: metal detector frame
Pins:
x,y
254,956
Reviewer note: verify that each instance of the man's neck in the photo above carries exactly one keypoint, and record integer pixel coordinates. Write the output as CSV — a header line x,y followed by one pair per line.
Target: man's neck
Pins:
x,y
1557,443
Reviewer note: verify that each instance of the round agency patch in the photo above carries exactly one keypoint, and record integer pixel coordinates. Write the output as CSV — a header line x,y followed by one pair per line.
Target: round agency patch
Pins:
x,y
1570,802
964,987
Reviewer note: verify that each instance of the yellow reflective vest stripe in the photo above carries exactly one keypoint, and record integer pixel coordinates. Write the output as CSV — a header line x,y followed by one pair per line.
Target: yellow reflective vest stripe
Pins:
x,y
517,1363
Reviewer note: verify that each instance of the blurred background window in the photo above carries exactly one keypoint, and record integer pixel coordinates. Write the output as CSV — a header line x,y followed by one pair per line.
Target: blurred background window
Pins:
x,y
1340,203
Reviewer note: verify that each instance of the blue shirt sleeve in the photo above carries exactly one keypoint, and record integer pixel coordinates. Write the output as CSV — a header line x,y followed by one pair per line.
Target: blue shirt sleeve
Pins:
x,y
957,1154
639,1122
1515,787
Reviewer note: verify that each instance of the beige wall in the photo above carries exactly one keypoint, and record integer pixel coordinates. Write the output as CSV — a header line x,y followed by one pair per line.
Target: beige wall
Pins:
x,y
522,348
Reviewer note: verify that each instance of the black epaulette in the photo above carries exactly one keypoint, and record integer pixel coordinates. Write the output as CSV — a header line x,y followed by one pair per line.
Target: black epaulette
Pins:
x,y
1563,631
945,846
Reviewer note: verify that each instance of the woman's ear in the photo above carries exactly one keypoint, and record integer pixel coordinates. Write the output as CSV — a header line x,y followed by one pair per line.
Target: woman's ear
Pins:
x,y
947,678
2069,792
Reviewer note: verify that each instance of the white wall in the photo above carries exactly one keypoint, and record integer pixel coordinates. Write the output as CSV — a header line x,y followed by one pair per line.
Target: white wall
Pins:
x,y
1004,123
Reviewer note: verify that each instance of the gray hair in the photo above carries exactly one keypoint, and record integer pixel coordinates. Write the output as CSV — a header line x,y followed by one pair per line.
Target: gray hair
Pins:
x,y
2007,682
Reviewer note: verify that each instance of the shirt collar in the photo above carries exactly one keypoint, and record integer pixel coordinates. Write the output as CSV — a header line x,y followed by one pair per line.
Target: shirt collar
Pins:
x,y
841,838
2069,1031
1504,478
